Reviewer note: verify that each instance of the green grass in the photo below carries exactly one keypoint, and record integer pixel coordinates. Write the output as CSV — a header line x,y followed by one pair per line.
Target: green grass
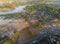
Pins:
x,y
1,26
12,40
7,42
38,26
58,19
58,35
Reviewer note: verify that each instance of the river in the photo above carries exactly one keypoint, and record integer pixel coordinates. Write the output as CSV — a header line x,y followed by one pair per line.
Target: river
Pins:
x,y
17,9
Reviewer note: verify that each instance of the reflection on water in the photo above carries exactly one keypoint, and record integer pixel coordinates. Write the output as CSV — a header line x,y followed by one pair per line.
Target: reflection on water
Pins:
x,y
17,9
20,8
